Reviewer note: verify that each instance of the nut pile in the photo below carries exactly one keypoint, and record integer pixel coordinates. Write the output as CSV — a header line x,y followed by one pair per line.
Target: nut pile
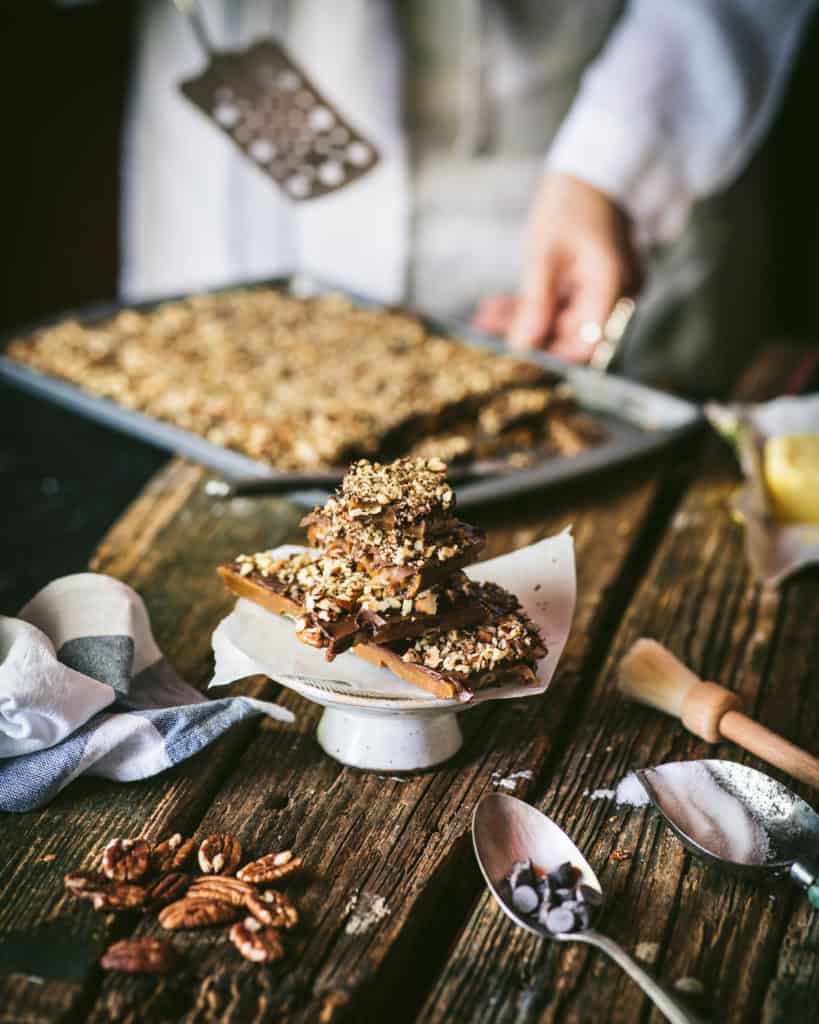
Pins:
x,y
558,901
297,383
136,875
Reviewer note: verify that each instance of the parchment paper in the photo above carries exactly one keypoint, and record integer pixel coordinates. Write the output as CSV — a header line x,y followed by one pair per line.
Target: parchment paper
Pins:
x,y
775,550
253,641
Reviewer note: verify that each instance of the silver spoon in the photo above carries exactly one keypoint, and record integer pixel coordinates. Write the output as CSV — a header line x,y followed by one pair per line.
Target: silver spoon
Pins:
x,y
506,830
738,817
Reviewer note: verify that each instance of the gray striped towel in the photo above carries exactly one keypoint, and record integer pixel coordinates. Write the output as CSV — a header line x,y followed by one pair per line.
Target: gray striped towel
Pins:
x,y
85,689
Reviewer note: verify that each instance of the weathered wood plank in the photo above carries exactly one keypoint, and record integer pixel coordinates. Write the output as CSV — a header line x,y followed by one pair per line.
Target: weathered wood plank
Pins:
x,y
685,918
404,842
165,547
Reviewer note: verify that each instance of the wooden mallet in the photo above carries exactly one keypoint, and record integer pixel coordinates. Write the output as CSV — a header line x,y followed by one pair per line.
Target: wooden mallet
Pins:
x,y
652,675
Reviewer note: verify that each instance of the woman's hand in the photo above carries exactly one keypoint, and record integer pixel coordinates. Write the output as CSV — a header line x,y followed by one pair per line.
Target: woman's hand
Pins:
x,y
579,262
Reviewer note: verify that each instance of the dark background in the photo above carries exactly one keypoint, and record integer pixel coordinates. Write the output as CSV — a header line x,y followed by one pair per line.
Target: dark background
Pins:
x,y
63,76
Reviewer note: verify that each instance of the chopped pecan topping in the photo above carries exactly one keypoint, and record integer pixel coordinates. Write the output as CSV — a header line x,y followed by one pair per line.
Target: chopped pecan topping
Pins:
x,y
220,854
256,942
126,860
197,913
330,589
508,640
403,491
270,868
140,956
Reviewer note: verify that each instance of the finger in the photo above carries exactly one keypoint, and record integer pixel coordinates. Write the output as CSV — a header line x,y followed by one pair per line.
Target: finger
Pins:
x,y
534,319
581,324
495,313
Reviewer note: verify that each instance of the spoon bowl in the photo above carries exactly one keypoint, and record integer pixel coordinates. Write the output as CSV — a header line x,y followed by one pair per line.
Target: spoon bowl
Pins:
x,y
733,815
506,830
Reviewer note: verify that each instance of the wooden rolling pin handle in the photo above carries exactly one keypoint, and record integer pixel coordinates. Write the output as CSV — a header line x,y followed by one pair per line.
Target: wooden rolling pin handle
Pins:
x,y
770,747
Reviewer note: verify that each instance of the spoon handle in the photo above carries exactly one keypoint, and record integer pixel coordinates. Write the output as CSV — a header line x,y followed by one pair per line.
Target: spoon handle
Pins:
x,y
667,1003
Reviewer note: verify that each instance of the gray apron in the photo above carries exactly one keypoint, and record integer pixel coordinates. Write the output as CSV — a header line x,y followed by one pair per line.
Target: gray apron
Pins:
x,y
704,306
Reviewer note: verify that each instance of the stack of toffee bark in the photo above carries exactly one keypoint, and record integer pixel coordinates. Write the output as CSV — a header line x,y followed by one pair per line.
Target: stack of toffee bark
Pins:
x,y
385,580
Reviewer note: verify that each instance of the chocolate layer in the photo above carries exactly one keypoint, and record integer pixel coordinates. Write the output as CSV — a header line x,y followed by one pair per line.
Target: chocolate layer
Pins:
x,y
338,606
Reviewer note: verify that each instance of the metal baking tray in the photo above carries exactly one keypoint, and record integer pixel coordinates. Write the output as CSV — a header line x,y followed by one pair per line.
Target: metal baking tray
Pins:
x,y
639,419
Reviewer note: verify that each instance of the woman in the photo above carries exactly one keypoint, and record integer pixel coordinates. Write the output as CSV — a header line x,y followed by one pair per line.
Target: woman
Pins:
x,y
539,160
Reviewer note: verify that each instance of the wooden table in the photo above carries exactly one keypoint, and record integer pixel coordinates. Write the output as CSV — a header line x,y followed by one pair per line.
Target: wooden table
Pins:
x,y
659,555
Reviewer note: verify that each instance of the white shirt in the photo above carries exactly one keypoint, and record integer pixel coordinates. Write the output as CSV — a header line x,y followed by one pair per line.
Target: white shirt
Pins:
x,y
676,103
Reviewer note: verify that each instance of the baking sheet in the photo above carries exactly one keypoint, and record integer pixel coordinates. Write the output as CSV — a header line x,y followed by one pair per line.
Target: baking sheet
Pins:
x,y
253,641
639,420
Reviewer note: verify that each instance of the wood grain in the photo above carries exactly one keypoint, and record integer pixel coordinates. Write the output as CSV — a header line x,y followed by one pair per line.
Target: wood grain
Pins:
x,y
396,925
685,918
165,546
368,838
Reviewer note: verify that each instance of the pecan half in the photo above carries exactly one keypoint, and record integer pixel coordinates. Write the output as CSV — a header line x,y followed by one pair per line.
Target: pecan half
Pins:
x,y
270,868
167,889
255,942
140,956
126,860
104,893
272,908
82,882
172,853
220,887
220,854
197,913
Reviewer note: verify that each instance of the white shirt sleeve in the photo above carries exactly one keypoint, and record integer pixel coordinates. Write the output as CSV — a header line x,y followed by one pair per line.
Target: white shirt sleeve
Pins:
x,y
675,104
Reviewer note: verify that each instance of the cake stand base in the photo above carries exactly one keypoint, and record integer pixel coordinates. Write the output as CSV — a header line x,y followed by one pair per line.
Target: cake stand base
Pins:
x,y
388,742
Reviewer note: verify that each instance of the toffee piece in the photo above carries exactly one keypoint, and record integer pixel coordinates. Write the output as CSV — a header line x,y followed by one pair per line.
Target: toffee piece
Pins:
x,y
337,605
396,521
387,584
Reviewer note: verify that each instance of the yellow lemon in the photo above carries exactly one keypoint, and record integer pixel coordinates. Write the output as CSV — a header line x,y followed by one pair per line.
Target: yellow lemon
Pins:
x,y
792,476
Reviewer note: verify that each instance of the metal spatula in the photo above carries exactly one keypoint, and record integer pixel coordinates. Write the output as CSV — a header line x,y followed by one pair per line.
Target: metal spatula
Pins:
x,y
266,104
738,817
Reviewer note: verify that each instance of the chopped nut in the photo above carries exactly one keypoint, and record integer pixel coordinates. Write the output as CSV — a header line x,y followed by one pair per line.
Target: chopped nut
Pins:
x,y
104,893
126,860
271,868
197,913
273,908
256,942
140,956
167,889
230,890
220,854
172,853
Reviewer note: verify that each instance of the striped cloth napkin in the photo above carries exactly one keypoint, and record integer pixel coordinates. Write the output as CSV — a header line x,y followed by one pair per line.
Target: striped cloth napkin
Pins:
x,y
85,689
